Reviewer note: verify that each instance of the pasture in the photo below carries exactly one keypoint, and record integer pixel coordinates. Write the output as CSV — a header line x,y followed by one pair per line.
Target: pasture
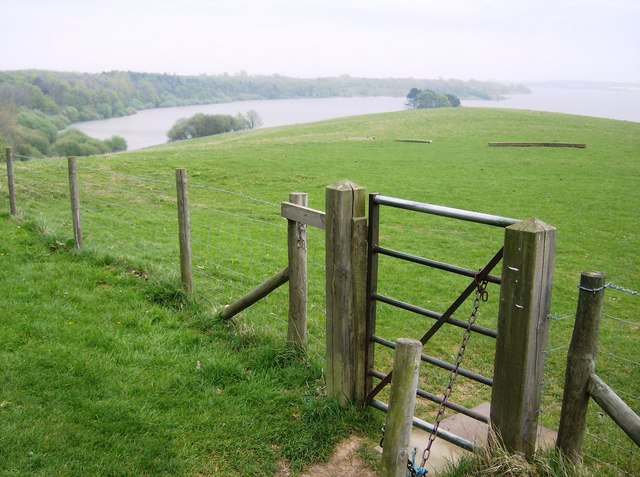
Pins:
x,y
85,332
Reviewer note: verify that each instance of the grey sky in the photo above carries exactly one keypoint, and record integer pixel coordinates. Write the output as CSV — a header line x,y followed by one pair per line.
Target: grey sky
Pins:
x,y
483,39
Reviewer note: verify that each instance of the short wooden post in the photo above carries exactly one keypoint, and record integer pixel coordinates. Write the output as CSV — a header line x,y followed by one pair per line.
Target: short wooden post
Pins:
x,y
581,363
402,406
184,229
297,252
75,202
523,325
345,289
11,183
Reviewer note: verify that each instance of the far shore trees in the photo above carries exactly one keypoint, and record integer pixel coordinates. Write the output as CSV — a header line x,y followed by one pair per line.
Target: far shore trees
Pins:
x,y
36,103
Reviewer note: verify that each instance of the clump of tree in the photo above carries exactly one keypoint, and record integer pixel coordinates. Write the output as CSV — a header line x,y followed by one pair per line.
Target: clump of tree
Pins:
x,y
73,142
423,99
200,125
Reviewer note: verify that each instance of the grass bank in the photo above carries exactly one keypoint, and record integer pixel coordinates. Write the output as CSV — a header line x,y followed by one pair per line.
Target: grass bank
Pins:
x,y
102,376
238,180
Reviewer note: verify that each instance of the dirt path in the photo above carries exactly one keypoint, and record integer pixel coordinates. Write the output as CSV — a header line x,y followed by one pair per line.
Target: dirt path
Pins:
x,y
343,463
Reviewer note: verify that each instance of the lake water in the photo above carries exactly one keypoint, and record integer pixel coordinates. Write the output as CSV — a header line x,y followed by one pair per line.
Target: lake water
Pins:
x,y
600,103
149,127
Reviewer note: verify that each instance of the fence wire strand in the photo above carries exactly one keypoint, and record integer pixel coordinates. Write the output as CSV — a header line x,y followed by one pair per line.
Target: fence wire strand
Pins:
x,y
236,244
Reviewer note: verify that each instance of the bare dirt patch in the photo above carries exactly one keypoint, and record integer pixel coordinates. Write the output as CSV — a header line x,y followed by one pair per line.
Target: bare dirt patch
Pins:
x,y
343,463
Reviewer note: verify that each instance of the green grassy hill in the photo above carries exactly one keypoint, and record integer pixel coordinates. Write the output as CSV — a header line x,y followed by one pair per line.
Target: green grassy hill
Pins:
x,y
237,181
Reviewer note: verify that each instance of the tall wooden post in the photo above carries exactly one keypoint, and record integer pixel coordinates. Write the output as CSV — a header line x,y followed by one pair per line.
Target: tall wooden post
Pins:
x,y
75,202
523,325
402,406
11,183
184,229
297,251
345,286
581,363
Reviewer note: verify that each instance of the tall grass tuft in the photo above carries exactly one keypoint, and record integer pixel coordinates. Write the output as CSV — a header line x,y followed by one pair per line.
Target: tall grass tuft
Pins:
x,y
495,460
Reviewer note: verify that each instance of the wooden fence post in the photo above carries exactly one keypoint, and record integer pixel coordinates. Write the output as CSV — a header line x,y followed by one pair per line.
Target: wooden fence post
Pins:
x,y
75,201
402,406
345,290
297,252
615,407
11,183
184,229
581,363
523,325
256,294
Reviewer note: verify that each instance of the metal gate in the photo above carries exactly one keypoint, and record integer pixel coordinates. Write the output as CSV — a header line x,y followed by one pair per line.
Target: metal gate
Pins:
x,y
375,249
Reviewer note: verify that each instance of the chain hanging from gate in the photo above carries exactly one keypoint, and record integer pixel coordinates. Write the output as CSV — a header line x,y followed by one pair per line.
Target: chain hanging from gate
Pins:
x,y
481,296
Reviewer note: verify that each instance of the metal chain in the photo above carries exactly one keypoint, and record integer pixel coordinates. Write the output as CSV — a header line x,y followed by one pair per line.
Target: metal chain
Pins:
x,y
481,295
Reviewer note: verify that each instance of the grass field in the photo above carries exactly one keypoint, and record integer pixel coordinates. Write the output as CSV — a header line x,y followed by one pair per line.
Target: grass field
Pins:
x,y
237,181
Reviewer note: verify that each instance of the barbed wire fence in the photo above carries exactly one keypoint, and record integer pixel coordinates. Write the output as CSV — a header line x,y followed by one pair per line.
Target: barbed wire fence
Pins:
x,y
238,241
607,450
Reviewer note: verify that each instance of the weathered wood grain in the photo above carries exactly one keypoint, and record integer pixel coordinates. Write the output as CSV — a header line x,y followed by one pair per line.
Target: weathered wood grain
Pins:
x,y
581,362
615,407
525,296
256,294
297,254
344,202
303,214
402,405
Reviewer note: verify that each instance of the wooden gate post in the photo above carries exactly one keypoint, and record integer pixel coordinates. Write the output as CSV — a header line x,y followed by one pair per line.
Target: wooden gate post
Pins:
x,y
297,253
10,181
523,325
184,229
75,202
402,406
346,257
581,362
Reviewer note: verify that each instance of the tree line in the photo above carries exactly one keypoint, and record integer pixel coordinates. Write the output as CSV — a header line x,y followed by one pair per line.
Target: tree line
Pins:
x,y
33,103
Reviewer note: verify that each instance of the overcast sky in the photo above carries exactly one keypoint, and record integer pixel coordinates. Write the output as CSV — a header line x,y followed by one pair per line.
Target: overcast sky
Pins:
x,y
514,40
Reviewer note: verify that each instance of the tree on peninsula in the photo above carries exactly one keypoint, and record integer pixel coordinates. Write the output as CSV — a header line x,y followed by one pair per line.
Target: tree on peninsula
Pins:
x,y
424,99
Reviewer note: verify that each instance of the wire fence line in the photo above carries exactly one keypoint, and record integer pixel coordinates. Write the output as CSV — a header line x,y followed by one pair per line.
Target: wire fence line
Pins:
x,y
606,449
238,241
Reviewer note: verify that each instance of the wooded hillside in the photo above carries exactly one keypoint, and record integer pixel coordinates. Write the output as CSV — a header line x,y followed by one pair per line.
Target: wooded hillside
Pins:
x,y
35,104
